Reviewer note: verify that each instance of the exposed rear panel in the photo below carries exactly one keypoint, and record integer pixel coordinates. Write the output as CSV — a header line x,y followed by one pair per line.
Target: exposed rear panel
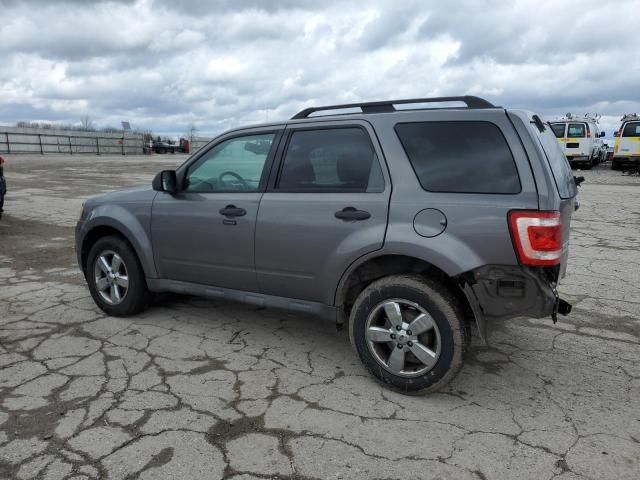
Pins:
x,y
477,150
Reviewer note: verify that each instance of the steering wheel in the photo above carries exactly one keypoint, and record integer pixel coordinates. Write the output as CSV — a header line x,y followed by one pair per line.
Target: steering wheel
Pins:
x,y
245,186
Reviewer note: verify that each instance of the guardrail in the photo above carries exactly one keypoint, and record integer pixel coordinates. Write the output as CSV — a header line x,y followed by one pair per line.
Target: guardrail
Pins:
x,y
17,140
71,143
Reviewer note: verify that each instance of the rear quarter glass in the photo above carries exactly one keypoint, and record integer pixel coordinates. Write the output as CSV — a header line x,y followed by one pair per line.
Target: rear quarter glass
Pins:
x,y
560,168
460,157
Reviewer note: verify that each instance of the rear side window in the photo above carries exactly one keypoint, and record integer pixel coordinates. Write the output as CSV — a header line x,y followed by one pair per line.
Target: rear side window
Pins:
x,y
558,129
631,129
576,130
462,157
331,160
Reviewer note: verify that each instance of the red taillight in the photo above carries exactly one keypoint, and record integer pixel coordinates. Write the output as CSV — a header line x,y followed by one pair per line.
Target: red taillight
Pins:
x,y
537,236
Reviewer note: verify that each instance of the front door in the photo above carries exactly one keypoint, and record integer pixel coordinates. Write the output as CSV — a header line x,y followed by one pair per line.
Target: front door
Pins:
x,y
205,233
327,207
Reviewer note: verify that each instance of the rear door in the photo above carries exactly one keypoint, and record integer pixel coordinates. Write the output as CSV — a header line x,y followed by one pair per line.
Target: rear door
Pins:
x,y
326,206
576,142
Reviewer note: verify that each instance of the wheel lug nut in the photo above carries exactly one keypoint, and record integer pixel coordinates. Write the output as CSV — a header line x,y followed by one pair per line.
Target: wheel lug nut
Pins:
x,y
393,336
400,346
410,344
408,332
398,327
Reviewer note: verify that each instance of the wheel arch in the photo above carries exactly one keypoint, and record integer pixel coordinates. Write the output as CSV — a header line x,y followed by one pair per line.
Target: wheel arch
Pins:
x,y
137,239
371,268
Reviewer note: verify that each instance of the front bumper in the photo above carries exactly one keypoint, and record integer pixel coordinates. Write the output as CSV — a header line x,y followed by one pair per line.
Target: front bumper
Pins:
x,y
80,233
501,292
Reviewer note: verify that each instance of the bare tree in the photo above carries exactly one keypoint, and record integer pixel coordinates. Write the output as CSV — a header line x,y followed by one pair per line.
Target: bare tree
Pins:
x,y
147,135
86,123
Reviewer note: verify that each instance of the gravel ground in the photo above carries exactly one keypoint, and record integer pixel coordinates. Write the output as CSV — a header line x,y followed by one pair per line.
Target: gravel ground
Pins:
x,y
201,389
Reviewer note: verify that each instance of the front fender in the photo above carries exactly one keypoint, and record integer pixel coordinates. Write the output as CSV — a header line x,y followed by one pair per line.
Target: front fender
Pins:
x,y
133,221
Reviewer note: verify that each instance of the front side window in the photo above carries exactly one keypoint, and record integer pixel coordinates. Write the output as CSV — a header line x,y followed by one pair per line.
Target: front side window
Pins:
x,y
461,157
235,165
330,160
631,129
576,130
558,129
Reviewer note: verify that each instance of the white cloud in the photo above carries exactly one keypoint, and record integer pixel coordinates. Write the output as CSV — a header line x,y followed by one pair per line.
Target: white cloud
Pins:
x,y
227,66
165,64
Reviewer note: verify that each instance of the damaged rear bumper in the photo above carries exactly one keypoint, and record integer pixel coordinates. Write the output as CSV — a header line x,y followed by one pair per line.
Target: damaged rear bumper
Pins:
x,y
500,292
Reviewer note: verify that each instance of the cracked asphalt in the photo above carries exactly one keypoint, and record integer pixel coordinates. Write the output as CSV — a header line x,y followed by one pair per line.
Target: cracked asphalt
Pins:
x,y
201,389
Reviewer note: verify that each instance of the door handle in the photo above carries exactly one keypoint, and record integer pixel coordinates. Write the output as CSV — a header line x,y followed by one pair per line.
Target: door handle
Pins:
x,y
350,213
232,211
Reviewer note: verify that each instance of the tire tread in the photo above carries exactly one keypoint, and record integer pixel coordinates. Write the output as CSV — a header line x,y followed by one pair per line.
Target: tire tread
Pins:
x,y
444,300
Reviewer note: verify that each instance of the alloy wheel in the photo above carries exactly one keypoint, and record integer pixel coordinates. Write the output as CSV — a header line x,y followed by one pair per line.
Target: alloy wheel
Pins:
x,y
403,337
111,277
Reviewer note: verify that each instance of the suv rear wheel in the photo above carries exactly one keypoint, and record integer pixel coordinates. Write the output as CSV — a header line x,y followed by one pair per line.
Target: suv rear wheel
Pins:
x,y
115,278
408,332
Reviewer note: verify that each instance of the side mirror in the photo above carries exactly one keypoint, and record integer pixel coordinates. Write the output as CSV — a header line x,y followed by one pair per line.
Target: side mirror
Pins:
x,y
165,181
616,133
601,134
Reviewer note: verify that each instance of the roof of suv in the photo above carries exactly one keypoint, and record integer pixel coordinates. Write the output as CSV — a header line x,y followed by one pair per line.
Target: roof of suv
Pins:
x,y
384,106
388,106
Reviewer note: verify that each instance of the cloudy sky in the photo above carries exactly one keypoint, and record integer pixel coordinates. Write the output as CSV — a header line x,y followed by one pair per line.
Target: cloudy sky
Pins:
x,y
166,64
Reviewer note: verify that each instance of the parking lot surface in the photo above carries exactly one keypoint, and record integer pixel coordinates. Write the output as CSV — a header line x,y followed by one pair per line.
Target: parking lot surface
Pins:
x,y
201,389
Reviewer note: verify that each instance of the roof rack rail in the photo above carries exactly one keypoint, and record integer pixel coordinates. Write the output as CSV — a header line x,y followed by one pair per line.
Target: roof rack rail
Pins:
x,y
629,117
387,106
569,117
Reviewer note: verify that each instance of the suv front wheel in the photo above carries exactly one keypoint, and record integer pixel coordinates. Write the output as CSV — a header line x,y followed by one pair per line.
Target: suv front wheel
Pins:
x,y
408,332
115,278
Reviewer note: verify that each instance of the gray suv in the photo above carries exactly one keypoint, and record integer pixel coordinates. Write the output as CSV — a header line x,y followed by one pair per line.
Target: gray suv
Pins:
x,y
408,223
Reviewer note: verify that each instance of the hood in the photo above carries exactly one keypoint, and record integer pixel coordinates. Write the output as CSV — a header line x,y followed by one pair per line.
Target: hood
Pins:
x,y
141,193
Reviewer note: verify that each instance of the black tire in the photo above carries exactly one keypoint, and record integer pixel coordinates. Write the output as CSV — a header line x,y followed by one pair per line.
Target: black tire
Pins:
x,y
443,308
588,166
615,165
137,297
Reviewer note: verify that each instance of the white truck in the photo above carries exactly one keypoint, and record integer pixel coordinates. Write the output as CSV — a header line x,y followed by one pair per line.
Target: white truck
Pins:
x,y
626,152
580,139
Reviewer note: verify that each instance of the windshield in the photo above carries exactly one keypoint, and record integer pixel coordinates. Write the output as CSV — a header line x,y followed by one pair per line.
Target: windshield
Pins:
x,y
631,129
558,129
